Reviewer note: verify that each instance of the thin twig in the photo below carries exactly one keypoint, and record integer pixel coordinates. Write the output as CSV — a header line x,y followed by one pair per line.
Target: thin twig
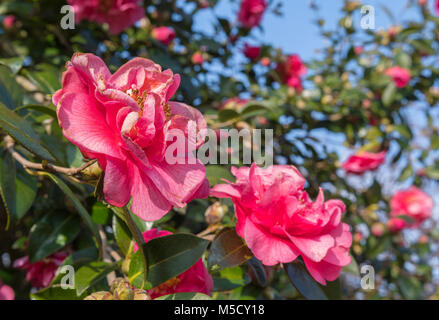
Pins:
x,y
45,166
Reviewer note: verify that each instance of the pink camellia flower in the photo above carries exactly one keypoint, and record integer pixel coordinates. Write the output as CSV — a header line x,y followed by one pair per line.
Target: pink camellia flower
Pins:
x,y
6,292
401,76
195,279
127,122
396,224
9,21
250,13
118,14
279,221
291,70
364,161
265,61
41,273
437,7
358,50
197,58
412,202
164,35
251,52
377,229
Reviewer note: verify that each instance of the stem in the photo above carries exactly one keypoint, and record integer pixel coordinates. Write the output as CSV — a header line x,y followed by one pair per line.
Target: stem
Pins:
x,y
138,237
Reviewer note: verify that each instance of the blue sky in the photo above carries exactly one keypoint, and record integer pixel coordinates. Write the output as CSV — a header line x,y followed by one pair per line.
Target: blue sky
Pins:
x,y
295,31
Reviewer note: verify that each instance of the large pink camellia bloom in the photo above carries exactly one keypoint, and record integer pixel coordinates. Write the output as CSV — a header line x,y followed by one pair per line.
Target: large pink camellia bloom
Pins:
x,y
195,279
127,122
401,76
412,202
437,7
119,14
279,221
250,13
364,161
6,292
41,273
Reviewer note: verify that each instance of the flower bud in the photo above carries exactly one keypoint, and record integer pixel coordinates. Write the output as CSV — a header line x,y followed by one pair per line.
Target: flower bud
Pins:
x,y
100,295
140,294
122,290
91,173
377,229
214,213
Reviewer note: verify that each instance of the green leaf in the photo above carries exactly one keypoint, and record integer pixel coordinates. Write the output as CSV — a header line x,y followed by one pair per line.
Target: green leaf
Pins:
x,y
432,172
259,271
230,278
406,173
79,207
303,282
404,60
352,267
14,64
19,188
227,115
49,110
389,94
410,288
167,257
22,132
100,213
215,174
5,216
53,232
11,93
228,250
185,296
91,274
47,78
332,289
56,292
121,234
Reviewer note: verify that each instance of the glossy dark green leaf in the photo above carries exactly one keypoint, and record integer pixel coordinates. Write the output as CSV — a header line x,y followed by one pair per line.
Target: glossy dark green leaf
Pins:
x,y
228,250
22,132
167,257
19,188
303,281
121,234
258,271
332,289
91,274
51,233
11,93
